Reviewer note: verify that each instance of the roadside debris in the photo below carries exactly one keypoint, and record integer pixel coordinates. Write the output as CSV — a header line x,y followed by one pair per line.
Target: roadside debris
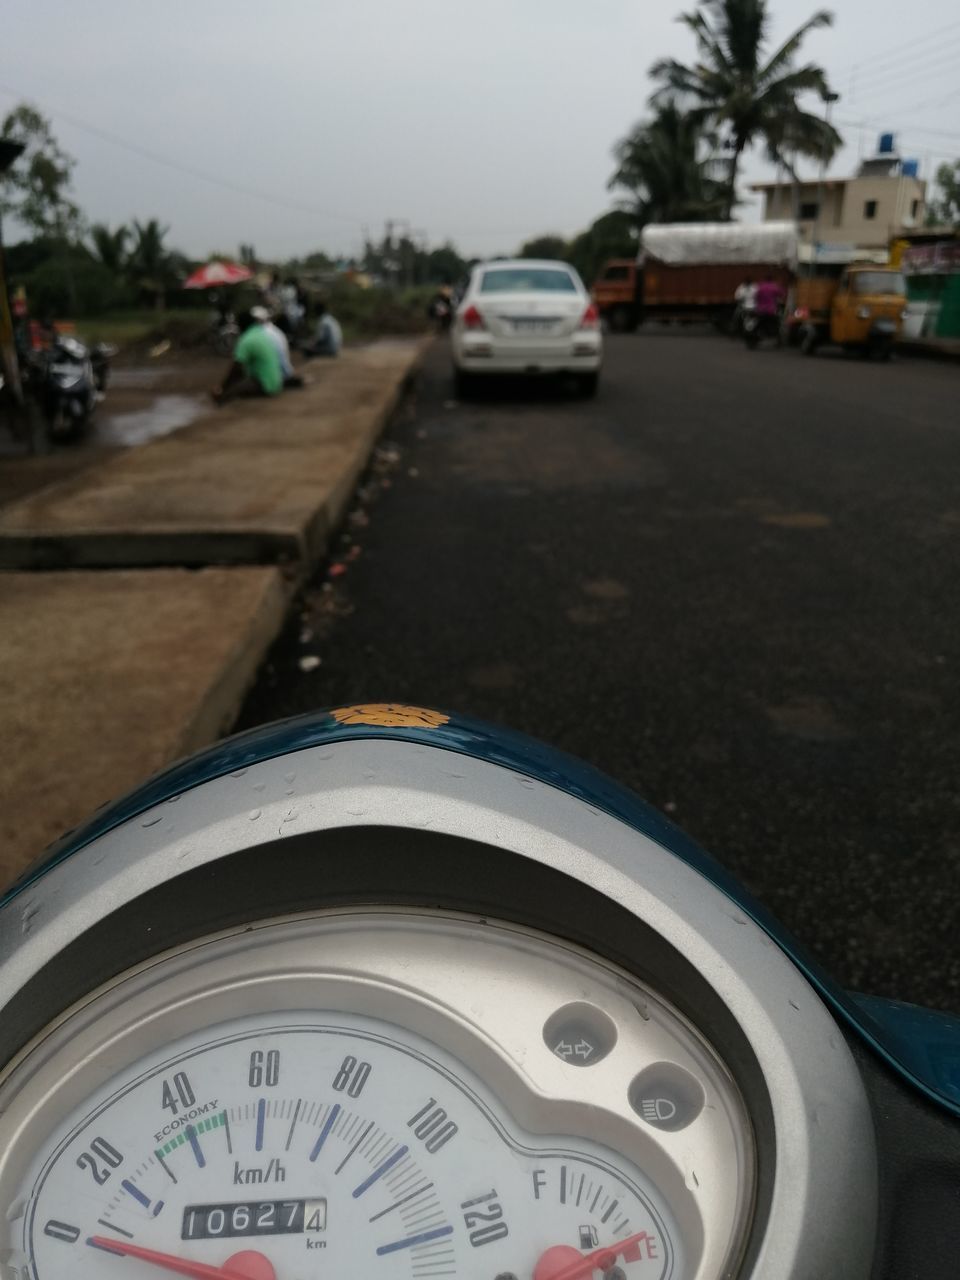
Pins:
x,y
385,456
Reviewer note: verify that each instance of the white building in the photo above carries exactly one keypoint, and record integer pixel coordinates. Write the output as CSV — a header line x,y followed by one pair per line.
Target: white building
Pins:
x,y
862,213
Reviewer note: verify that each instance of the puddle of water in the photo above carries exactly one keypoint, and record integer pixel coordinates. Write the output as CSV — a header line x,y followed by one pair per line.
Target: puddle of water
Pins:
x,y
164,415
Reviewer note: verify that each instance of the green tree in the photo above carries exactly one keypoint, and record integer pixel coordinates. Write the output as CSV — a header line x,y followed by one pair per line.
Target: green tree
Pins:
x,y
444,265
110,247
35,188
664,167
736,86
72,283
152,268
944,207
550,245
612,235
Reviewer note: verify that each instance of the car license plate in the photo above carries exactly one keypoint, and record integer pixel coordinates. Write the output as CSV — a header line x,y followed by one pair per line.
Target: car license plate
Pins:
x,y
533,326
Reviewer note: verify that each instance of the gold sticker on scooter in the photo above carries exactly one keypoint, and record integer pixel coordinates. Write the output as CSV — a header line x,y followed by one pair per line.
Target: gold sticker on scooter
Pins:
x,y
390,715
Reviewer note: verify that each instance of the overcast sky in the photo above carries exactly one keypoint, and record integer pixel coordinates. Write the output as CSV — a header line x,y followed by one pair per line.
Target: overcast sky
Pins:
x,y
484,121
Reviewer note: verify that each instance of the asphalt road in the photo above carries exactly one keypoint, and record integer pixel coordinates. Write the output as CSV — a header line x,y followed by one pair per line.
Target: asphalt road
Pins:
x,y
730,581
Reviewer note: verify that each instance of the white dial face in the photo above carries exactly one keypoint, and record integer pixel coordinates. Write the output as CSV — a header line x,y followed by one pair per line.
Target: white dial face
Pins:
x,y
326,1146
377,1094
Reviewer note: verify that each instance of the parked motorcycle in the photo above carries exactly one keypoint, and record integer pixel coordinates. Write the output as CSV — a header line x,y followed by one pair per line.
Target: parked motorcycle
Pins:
x,y
758,328
224,332
545,1035
68,378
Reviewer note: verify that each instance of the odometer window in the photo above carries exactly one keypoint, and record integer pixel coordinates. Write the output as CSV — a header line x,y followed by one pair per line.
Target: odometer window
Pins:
x,y
253,1218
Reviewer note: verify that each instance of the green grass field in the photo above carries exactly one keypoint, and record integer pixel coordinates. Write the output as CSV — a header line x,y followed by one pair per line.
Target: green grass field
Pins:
x,y
125,328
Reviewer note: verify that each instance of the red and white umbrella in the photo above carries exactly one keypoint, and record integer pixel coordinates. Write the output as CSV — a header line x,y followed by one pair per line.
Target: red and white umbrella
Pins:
x,y
217,273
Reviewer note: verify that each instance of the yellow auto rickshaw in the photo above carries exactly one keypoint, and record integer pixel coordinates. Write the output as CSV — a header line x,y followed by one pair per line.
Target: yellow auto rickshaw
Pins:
x,y
861,311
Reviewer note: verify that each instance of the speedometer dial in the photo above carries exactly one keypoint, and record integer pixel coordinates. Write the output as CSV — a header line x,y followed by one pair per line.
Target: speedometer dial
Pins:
x,y
373,1094
339,1138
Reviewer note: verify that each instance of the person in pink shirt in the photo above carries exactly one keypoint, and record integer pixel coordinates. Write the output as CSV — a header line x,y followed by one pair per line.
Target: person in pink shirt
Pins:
x,y
769,297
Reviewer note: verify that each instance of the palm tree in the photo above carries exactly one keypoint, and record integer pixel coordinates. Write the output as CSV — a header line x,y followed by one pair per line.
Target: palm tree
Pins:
x,y
110,246
150,264
735,86
664,165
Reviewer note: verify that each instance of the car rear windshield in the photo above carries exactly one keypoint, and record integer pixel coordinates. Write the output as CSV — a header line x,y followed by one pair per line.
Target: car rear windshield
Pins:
x,y
878,282
527,280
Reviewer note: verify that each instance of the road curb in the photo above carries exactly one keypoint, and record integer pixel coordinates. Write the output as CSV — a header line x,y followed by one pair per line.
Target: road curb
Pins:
x,y
239,488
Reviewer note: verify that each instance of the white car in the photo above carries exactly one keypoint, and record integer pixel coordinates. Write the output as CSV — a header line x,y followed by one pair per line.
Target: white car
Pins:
x,y
526,316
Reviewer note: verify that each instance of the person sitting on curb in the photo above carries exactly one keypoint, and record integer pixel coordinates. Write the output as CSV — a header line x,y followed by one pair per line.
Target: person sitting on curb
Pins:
x,y
329,335
255,369
262,316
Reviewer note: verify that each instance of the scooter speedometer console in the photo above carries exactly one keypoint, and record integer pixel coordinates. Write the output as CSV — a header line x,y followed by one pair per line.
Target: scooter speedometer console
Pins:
x,y
383,993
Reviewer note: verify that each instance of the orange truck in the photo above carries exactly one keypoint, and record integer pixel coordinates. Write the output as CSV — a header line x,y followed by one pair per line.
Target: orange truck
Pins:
x,y
690,271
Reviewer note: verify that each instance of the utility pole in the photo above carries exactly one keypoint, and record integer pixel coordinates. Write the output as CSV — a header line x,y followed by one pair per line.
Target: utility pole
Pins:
x,y
9,151
830,99
405,262
422,240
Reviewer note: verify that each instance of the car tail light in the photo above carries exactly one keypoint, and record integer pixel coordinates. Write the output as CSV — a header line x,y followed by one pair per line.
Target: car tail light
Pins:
x,y
472,319
591,317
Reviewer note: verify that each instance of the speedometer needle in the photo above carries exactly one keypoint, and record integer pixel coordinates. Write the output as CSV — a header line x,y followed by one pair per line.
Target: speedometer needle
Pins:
x,y
248,1265
560,1263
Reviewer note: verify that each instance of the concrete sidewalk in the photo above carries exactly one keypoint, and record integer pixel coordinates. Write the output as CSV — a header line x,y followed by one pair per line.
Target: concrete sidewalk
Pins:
x,y
108,674
106,677
252,483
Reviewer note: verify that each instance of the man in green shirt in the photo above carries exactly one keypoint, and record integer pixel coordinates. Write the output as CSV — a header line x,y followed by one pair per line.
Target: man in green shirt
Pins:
x,y
256,368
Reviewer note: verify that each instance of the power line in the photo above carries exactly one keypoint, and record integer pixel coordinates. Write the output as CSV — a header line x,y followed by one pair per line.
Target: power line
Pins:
x,y
944,57
937,100
896,54
911,64
226,183
158,158
916,128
